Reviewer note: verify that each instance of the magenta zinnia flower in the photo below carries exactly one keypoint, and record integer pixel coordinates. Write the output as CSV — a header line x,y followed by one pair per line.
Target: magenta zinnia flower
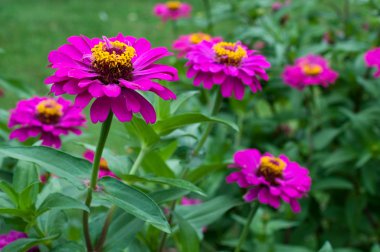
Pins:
x,y
103,166
12,236
309,70
189,201
185,42
270,179
230,65
172,10
112,71
372,59
45,117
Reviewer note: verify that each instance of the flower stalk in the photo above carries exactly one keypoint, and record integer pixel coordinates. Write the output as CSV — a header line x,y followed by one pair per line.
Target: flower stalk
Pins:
x,y
94,177
245,231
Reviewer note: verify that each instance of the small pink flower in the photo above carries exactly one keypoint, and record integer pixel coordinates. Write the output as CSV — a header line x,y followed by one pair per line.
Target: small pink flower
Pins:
x,y
104,169
172,10
372,59
270,179
47,118
188,201
258,45
186,42
232,66
114,72
12,236
309,70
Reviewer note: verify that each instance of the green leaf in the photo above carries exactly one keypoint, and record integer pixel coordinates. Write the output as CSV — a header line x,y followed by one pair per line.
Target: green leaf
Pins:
x,y
25,174
9,191
187,235
143,131
375,248
23,245
332,183
167,195
17,87
60,201
28,196
326,247
205,213
181,99
164,127
15,212
179,183
204,170
153,163
324,138
133,201
56,162
68,247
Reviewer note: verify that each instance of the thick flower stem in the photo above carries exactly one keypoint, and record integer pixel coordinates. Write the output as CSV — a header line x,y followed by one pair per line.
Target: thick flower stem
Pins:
x,y
215,109
94,177
103,235
210,28
245,231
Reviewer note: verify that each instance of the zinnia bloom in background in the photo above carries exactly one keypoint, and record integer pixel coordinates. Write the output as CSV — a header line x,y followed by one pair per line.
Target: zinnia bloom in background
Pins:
x,y
372,59
47,118
172,10
270,179
103,166
309,70
112,71
185,42
232,66
12,236
188,201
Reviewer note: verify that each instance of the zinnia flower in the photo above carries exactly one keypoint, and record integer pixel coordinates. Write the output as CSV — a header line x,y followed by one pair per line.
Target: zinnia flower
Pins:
x,y
185,42
47,118
103,166
372,59
309,70
172,10
12,236
112,71
270,179
232,66
188,201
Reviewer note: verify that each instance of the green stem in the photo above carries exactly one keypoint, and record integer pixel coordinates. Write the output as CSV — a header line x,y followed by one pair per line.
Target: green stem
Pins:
x,y
94,177
103,235
139,159
245,231
214,111
175,28
210,28
165,235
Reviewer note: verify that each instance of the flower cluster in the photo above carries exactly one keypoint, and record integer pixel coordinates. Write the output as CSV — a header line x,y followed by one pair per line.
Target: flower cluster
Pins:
x,y
104,170
111,71
232,66
12,236
270,179
47,118
308,71
372,59
172,10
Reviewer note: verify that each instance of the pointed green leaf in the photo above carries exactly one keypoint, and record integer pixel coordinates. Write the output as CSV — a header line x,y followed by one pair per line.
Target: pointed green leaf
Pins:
x,y
60,201
132,201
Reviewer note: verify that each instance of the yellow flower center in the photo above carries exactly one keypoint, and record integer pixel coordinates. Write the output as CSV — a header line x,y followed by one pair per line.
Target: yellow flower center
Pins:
x,y
103,164
197,38
271,168
311,69
229,53
49,111
173,5
113,60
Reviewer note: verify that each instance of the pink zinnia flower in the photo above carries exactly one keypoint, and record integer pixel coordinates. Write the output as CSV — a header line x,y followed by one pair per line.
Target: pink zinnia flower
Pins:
x,y
372,59
112,71
270,179
185,42
172,10
12,236
309,70
188,201
232,66
47,117
103,166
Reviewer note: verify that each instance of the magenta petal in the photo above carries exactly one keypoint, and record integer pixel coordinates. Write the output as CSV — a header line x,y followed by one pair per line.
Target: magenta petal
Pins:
x,y
82,100
100,109
111,90
119,107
